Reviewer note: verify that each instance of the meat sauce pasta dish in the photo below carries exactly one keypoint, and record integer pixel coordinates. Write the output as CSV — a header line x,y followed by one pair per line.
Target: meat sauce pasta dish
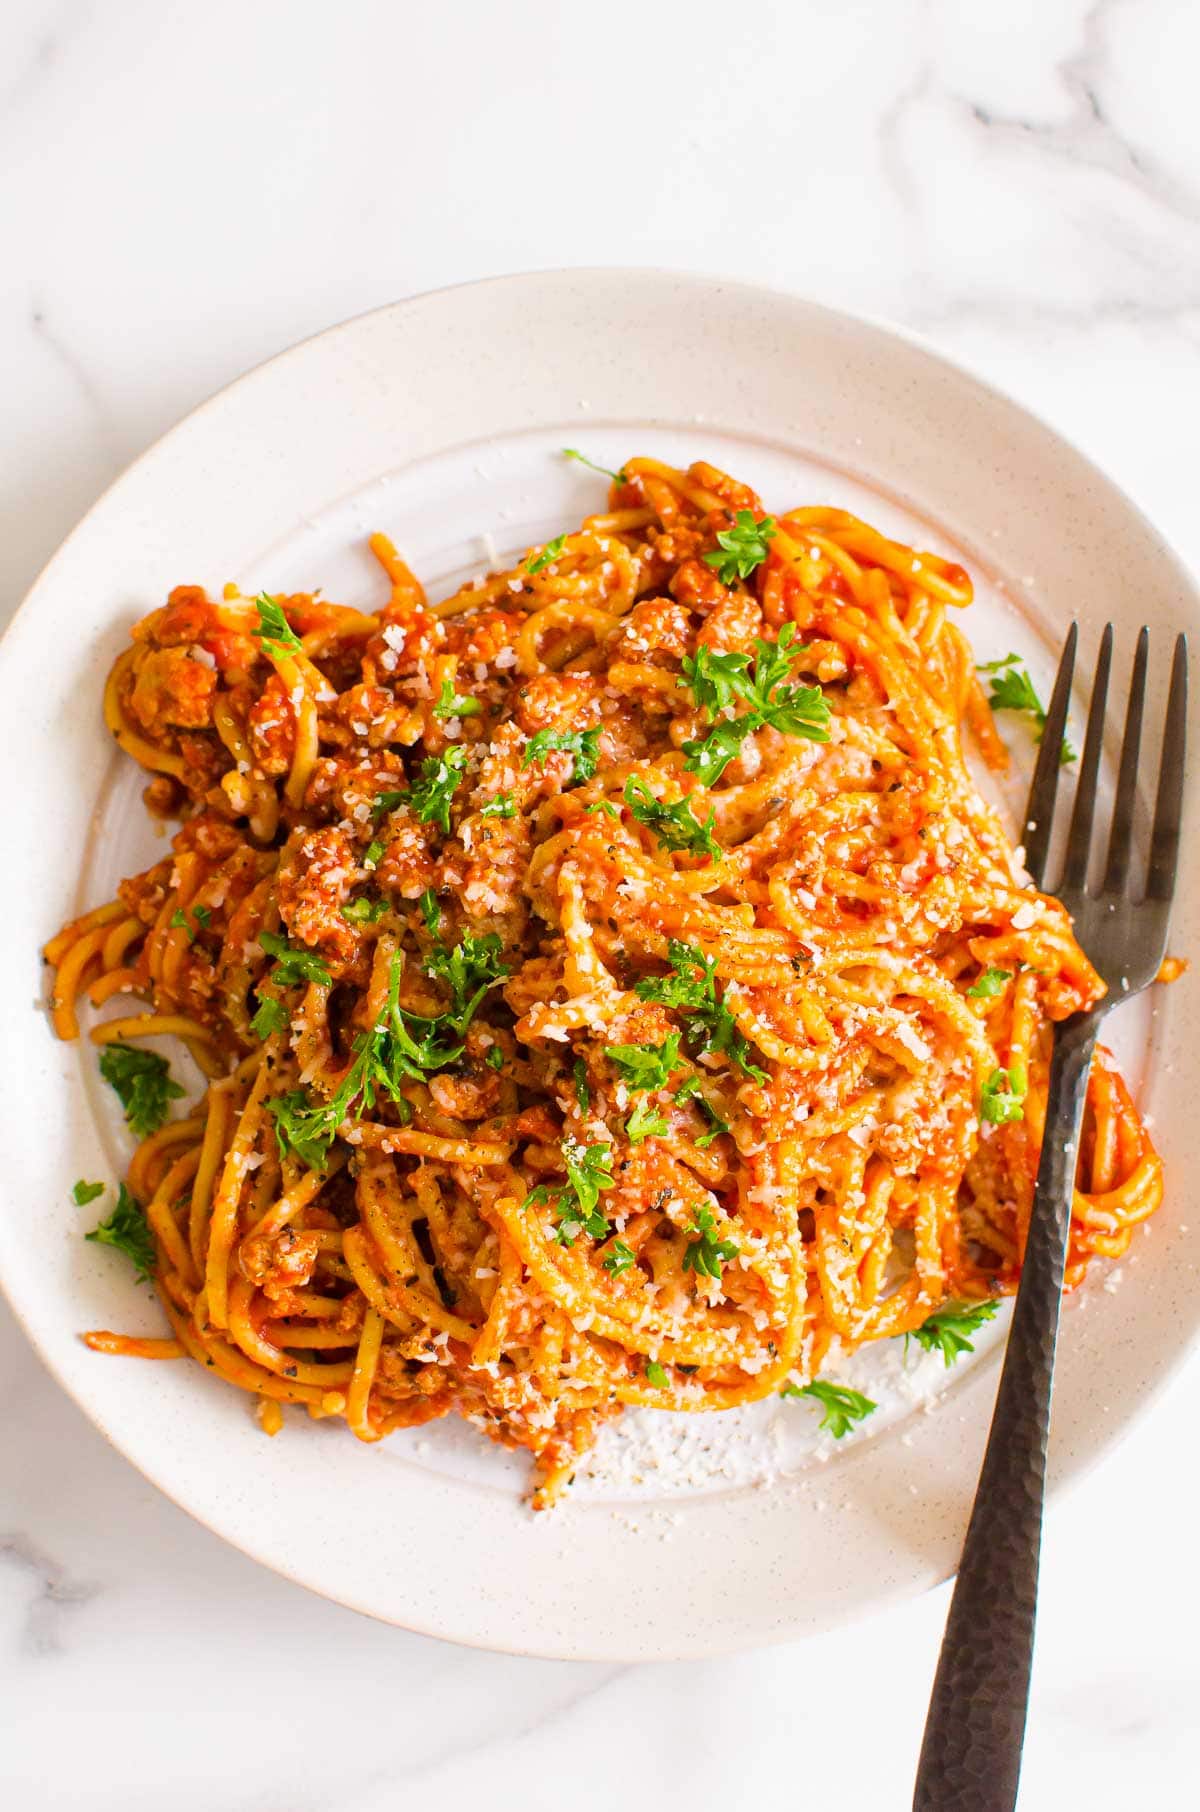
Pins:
x,y
611,986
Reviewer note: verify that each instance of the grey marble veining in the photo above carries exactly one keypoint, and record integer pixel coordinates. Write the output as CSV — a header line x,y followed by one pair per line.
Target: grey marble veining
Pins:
x,y
185,190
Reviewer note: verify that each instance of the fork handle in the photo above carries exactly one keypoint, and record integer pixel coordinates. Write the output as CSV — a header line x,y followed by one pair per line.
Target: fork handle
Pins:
x,y
971,1754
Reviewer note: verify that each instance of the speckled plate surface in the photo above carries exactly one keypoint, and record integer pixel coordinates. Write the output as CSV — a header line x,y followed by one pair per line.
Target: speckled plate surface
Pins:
x,y
440,420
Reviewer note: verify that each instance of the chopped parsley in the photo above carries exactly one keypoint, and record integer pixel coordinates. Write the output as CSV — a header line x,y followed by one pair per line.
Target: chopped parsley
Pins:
x,y
716,680
274,631
583,745
583,1093
1011,689
84,1192
363,911
142,1080
502,806
675,826
1003,1096
691,1091
691,988
295,963
271,1016
949,1330
742,548
576,1202
454,704
373,855
467,971
179,920
495,1057
645,1066
645,1122
128,1231
607,471
706,1253
431,912
539,562
604,805
400,1047
430,794
656,1375
618,1258
842,1406
990,984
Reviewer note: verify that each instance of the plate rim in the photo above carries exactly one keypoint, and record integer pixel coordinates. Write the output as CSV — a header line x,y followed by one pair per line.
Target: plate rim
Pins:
x,y
1074,1471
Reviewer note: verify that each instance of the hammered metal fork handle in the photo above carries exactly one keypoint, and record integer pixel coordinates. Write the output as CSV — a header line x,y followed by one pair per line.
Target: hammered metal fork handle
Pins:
x,y
971,1754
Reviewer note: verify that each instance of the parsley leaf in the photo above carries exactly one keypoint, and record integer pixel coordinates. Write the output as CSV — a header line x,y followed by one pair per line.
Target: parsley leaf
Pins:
x,y
741,549
271,1016
274,631
949,1330
127,1229
453,704
691,987
990,984
583,745
618,1258
716,680
468,971
363,911
430,794
142,1080
495,1057
617,477
706,1253
295,963
842,1406
645,1122
202,916
178,922
675,826
538,562
691,1091
583,1093
606,806
576,1203
84,1192
502,806
399,1047
709,756
656,1375
645,1066
1003,1096
373,855
431,912
1012,689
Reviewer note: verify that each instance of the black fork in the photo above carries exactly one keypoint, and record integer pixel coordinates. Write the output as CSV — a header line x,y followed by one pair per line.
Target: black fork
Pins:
x,y
971,1755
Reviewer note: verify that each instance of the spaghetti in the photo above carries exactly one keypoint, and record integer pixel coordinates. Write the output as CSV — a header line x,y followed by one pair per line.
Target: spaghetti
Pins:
x,y
611,986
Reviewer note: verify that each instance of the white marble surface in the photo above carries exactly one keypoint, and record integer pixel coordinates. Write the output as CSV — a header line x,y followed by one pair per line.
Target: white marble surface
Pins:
x,y
186,188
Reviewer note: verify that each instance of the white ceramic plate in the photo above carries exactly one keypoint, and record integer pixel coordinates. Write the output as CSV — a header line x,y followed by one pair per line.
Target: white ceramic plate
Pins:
x,y
440,420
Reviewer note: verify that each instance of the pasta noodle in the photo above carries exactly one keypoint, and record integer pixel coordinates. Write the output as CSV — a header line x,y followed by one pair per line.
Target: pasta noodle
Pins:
x,y
610,984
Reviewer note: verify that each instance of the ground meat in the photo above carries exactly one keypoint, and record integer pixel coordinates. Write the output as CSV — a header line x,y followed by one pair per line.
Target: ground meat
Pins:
x,y
172,690
316,872
733,625
279,1262
656,626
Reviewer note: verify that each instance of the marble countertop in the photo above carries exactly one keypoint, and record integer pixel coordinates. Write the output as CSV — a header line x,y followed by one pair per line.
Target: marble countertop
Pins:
x,y
185,189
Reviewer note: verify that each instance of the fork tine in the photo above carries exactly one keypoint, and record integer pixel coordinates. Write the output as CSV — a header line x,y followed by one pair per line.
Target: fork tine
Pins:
x,y
1164,838
1079,839
1039,813
1120,840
